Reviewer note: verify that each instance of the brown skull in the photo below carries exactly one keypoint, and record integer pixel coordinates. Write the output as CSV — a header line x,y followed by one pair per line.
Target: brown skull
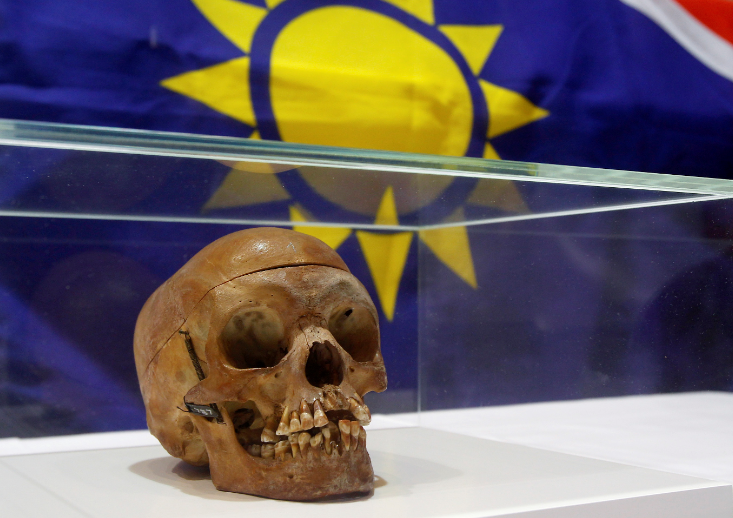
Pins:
x,y
254,358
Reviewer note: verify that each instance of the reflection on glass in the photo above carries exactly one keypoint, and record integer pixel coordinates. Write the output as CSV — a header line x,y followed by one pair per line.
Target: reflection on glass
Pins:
x,y
77,184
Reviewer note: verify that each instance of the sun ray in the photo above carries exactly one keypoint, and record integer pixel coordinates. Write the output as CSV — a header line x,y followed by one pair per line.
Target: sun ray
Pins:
x,y
255,135
243,188
421,9
235,20
386,256
223,87
490,152
387,211
508,110
272,4
474,41
451,246
332,236
258,167
498,194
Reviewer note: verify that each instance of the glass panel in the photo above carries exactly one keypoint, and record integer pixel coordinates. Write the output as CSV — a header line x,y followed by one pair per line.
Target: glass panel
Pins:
x,y
37,182
506,282
595,305
70,137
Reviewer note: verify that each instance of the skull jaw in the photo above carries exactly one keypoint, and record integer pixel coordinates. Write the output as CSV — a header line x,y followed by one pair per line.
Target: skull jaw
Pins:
x,y
313,476
317,476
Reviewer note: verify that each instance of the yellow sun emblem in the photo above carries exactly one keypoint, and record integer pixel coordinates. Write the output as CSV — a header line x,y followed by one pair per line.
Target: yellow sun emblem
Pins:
x,y
375,74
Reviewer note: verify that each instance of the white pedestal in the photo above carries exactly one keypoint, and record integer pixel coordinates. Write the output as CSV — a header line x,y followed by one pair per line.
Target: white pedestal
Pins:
x,y
420,473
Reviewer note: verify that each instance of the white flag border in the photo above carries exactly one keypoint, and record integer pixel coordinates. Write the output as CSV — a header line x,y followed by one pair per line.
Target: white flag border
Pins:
x,y
713,50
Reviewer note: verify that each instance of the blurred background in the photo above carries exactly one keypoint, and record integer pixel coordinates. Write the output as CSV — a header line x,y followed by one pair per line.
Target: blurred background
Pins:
x,y
593,305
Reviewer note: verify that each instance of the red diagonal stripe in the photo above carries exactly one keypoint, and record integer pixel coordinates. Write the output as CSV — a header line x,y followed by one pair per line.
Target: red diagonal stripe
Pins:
x,y
716,15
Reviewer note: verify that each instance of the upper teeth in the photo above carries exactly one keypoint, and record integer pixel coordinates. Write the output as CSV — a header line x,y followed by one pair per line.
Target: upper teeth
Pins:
x,y
268,433
304,430
319,416
306,418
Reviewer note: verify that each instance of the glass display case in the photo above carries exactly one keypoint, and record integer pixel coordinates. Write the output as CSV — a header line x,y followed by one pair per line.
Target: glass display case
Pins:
x,y
497,283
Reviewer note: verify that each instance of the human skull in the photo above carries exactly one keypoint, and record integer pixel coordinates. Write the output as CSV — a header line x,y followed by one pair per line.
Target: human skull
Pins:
x,y
254,359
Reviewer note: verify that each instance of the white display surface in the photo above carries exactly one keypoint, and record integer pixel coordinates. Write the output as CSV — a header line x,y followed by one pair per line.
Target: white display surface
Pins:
x,y
687,433
420,473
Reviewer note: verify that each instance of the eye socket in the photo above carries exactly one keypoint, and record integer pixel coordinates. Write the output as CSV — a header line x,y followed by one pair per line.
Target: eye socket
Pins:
x,y
253,339
355,330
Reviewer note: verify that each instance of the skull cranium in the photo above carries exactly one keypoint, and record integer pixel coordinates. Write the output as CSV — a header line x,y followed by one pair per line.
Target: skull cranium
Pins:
x,y
271,344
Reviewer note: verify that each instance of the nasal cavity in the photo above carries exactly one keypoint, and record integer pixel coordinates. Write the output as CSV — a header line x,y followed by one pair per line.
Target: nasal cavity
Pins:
x,y
324,365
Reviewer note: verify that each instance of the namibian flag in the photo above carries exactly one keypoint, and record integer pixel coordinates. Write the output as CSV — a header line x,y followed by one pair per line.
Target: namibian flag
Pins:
x,y
634,84
629,84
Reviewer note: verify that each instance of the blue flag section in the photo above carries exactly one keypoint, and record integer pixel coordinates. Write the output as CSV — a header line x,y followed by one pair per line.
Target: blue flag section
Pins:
x,y
529,311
